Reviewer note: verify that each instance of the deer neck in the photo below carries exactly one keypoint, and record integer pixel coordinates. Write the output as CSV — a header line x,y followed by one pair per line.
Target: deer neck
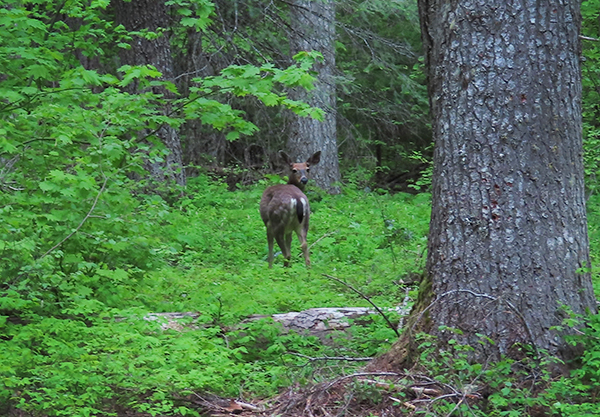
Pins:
x,y
297,184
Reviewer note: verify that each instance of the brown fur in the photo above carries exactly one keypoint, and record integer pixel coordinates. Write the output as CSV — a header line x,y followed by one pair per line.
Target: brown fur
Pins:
x,y
285,209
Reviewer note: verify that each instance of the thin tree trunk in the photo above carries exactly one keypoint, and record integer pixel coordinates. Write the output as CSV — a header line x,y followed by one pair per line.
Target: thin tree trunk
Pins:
x,y
313,24
152,15
202,145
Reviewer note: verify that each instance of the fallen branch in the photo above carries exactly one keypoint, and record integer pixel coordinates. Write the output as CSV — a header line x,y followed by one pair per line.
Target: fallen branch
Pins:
x,y
319,239
330,358
420,392
358,375
390,325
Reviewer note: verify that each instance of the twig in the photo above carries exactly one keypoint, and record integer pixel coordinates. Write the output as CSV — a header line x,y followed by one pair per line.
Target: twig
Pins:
x,y
321,238
210,403
588,38
10,187
248,406
455,406
390,325
330,358
87,216
489,297
331,384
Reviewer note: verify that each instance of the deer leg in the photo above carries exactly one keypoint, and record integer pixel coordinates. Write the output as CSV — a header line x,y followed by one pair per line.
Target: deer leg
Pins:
x,y
304,246
288,249
270,241
281,242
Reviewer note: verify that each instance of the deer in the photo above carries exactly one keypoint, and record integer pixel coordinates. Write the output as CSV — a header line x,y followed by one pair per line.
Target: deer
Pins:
x,y
284,209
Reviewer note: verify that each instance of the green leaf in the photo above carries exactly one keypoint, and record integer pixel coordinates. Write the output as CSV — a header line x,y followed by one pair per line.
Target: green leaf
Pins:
x,y
189,21
231,136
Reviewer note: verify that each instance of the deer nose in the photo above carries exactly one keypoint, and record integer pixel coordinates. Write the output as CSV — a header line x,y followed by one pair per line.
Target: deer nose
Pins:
x,y
303,180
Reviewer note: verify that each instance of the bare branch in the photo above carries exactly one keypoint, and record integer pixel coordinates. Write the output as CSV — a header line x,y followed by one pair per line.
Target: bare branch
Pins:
x,y
390,325
319,239
357,375
489,297
87,216
330,358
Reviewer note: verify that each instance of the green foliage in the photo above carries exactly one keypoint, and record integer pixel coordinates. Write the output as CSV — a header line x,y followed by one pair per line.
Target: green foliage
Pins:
x,y
226,251
502,383
577,395
192,14
80,367
86,254
593,210
590,70
264,83
515,388
382,99
74,341
368,338
383,90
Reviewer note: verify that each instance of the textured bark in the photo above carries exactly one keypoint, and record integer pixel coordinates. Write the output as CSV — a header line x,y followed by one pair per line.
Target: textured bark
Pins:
x,y
508,229
313,24
508,232
152,15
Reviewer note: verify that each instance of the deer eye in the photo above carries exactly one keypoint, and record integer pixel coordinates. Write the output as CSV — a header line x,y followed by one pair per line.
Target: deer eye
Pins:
x,y
307,169
294,170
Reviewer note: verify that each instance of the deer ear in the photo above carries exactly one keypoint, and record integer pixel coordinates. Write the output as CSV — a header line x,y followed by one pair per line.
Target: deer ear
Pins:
x,y
314,159
285,157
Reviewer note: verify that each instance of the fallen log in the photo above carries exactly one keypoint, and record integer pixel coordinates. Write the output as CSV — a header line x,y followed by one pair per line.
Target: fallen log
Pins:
x,y
319,322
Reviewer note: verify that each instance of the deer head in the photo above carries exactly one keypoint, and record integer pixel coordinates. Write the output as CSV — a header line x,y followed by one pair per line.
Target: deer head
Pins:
x,y
298,171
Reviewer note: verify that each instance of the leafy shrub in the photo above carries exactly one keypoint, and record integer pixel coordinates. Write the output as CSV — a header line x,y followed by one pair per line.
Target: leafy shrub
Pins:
x,y
87,252
75,343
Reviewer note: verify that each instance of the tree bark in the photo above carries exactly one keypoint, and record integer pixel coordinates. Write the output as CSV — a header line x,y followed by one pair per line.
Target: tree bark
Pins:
x,y
313,24
152,15
508,244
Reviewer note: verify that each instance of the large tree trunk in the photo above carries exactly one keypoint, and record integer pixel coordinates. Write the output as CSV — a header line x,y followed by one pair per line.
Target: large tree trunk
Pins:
x,y
152,15
508,244
313,25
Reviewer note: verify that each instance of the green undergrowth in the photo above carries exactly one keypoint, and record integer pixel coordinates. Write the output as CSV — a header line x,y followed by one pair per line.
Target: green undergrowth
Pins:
x,y
75,295
508,388
74,338
593,213
217,253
